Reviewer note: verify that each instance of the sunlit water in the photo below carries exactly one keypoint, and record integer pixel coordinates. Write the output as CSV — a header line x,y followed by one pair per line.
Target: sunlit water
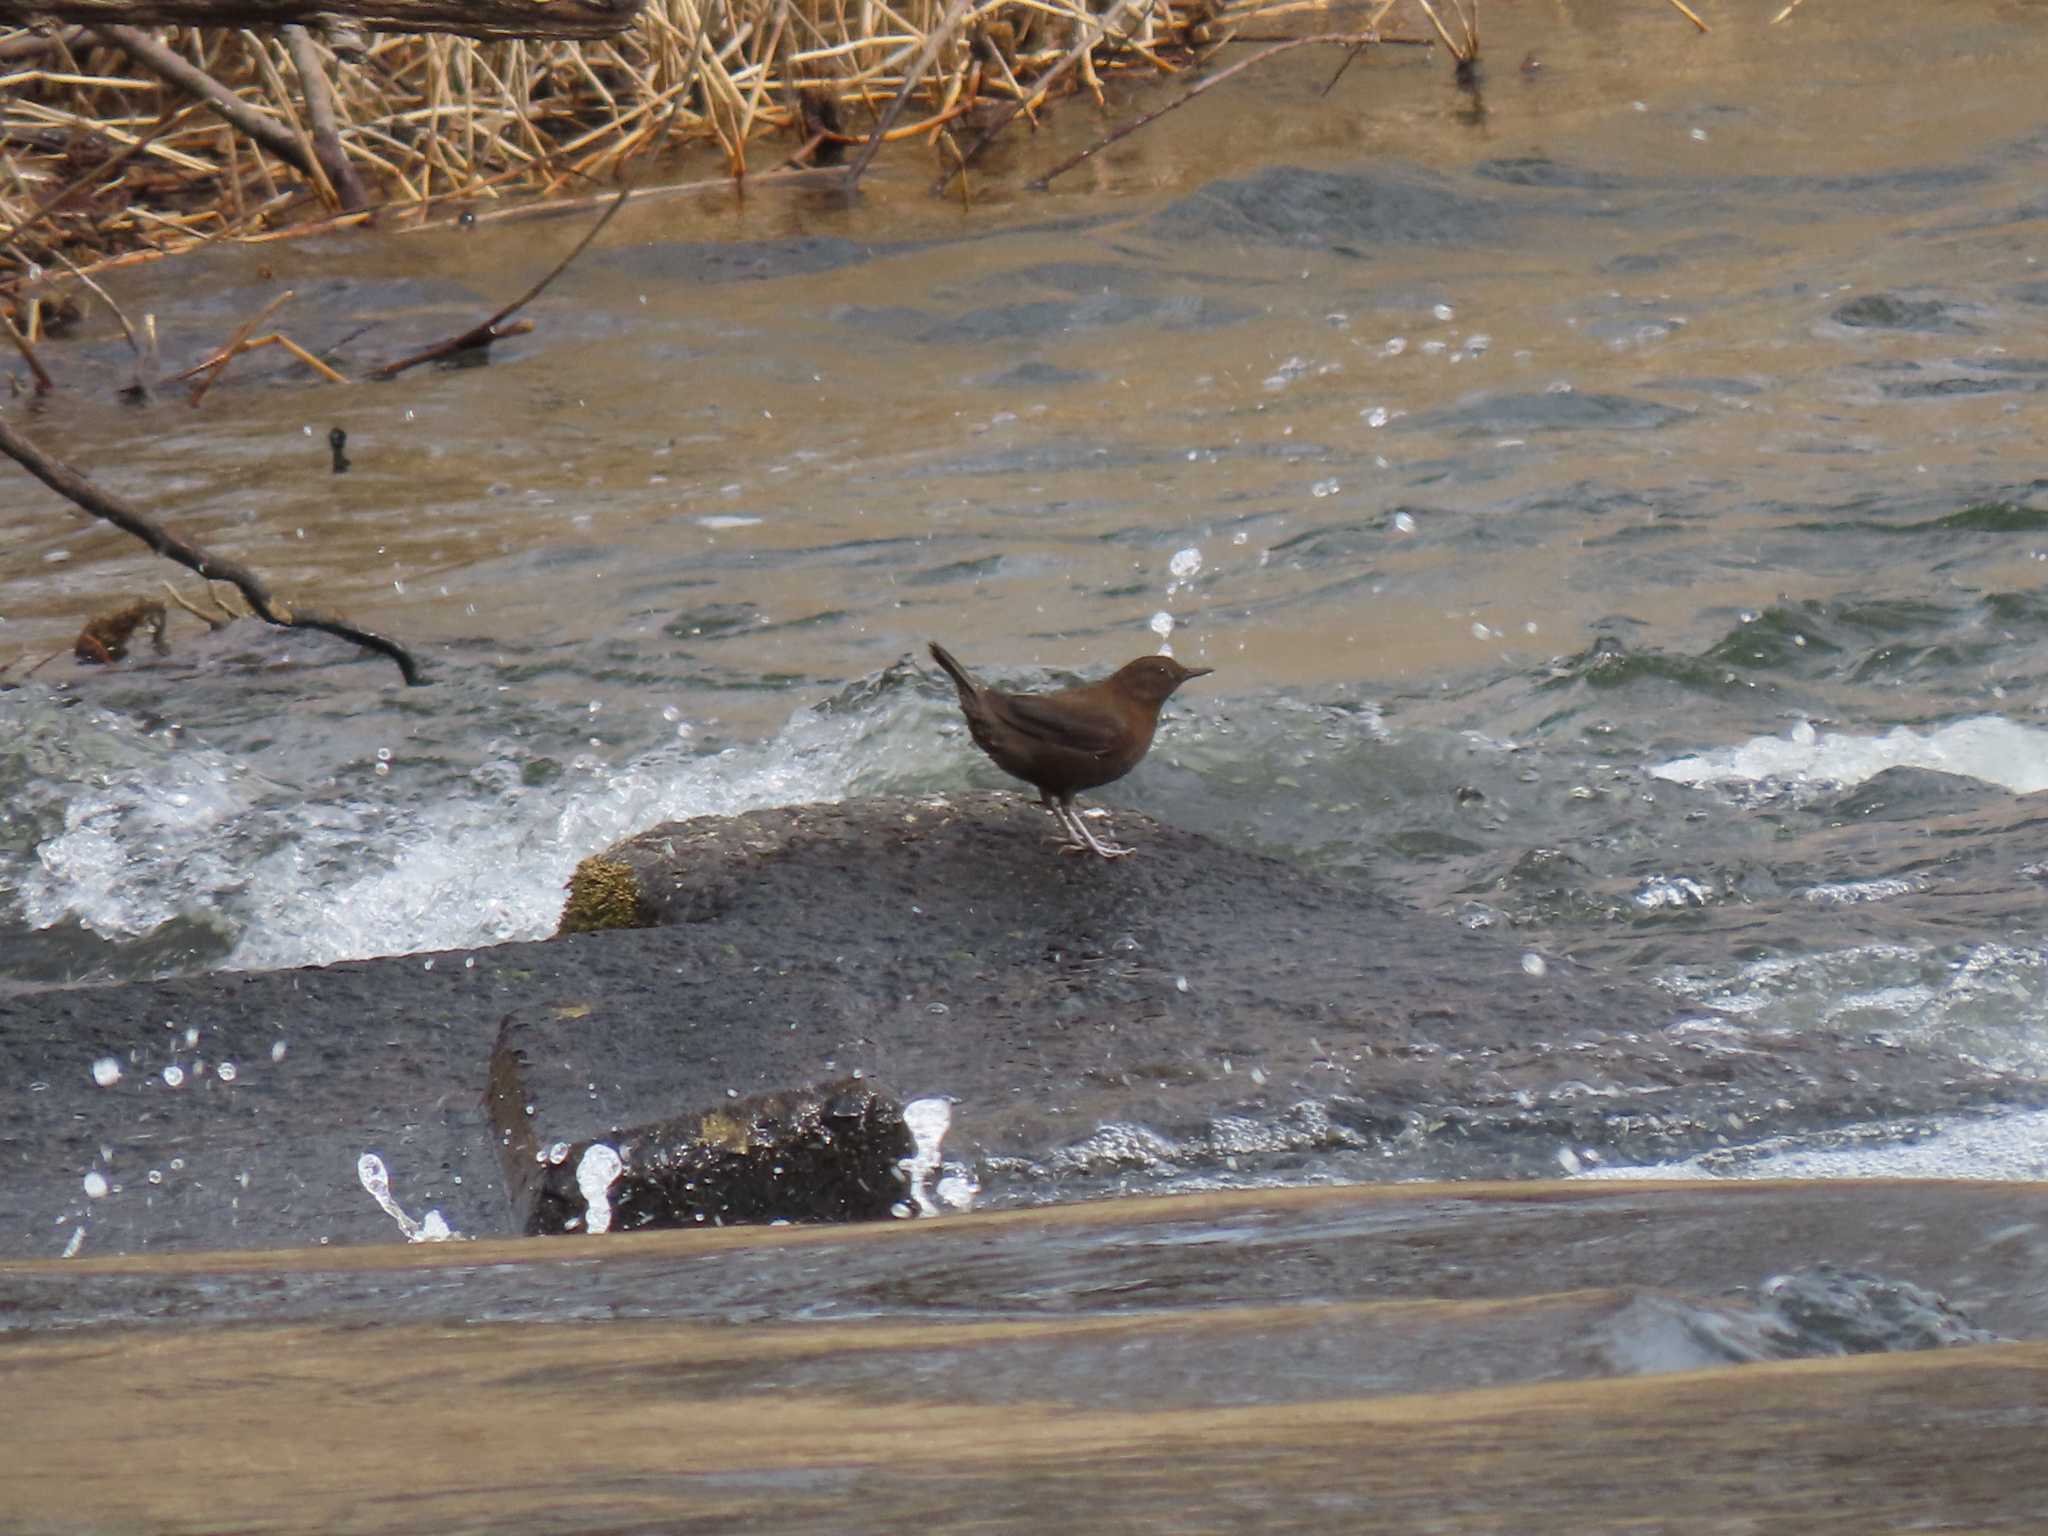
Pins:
x,y
1575,503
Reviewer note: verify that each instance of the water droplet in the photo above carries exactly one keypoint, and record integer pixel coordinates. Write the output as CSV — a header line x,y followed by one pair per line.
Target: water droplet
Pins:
x,y
1443,311
227,1071
106,1071
277,1051
1404,522
1162,624
596,1171
95,1185
1185,563
1395,346
1535,964
1375,416
174,1076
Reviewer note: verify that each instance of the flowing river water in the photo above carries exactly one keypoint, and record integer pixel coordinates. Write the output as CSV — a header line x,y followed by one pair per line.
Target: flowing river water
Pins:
x,y
1585,490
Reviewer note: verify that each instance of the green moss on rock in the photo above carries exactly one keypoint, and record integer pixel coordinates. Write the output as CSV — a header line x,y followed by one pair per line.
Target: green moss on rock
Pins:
x,y
603,893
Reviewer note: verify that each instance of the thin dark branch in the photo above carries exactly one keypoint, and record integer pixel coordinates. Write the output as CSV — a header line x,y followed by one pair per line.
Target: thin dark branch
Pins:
x,y
465,18
1092,34
486,333
74,487
44,383
940,36
319,95
1125,130
198,84
1350,57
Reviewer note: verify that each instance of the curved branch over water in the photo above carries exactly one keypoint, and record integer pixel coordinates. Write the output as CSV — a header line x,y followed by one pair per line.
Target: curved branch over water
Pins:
x,y
73,486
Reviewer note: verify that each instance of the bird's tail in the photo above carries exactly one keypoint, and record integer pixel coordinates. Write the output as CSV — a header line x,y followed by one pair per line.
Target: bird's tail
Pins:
x,y
962,679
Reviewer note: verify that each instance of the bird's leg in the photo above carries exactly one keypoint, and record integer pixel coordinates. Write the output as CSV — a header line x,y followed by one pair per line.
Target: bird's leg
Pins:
x,y
1070,842
1096,845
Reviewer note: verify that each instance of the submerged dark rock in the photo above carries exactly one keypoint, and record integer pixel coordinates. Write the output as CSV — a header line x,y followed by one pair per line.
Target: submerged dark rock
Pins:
x,y
1331,210
1895,312
1197,1008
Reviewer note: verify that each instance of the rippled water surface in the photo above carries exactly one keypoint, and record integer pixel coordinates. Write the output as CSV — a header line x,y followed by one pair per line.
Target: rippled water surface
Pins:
x,y
1611,506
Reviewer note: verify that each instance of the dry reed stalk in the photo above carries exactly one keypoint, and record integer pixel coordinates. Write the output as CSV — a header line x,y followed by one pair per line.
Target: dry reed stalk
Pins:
x,y
425,119
1686,11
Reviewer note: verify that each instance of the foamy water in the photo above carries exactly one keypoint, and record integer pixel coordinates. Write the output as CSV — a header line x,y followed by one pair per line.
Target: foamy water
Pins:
x,y
1989,747
191,833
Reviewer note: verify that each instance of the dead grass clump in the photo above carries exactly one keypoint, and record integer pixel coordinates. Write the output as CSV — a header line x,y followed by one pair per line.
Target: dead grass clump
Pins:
x,y
100,156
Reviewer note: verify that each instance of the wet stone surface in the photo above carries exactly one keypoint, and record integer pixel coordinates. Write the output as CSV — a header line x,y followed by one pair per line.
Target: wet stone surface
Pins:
x,y
1196,1007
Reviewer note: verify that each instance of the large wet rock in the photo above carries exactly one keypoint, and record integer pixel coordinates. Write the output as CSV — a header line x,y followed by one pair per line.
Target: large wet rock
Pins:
x,y
1194,1008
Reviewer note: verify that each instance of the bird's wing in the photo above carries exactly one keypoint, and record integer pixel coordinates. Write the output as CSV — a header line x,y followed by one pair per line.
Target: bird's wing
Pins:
x,y
1080,727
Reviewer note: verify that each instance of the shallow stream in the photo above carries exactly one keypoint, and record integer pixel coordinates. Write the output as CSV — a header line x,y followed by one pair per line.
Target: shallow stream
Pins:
x,y
1589,493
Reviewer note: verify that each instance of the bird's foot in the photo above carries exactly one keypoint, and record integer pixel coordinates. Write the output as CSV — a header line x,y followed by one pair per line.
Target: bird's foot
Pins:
x,y
1089,842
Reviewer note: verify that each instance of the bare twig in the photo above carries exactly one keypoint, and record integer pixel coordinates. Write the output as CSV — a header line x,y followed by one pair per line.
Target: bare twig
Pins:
x,y
217,364
71,485
941,35
469,18
1354,40
490,330
244,344
214,621
26,45
143,379
44,383
341,171
1091,34
105,298
1372,26
1457,49
1687,12
196,83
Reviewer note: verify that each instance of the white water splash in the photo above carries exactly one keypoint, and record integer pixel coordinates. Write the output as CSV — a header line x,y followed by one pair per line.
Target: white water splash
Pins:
x,y
431,1228
2009,1147
1988,747
928,1120
596,1171
190,834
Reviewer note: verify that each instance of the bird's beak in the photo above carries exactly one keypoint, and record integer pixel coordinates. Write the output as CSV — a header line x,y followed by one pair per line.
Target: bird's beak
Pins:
x,y
1200,671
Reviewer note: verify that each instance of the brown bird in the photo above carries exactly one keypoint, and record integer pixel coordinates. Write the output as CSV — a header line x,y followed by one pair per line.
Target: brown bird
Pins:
x,y
1074,739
